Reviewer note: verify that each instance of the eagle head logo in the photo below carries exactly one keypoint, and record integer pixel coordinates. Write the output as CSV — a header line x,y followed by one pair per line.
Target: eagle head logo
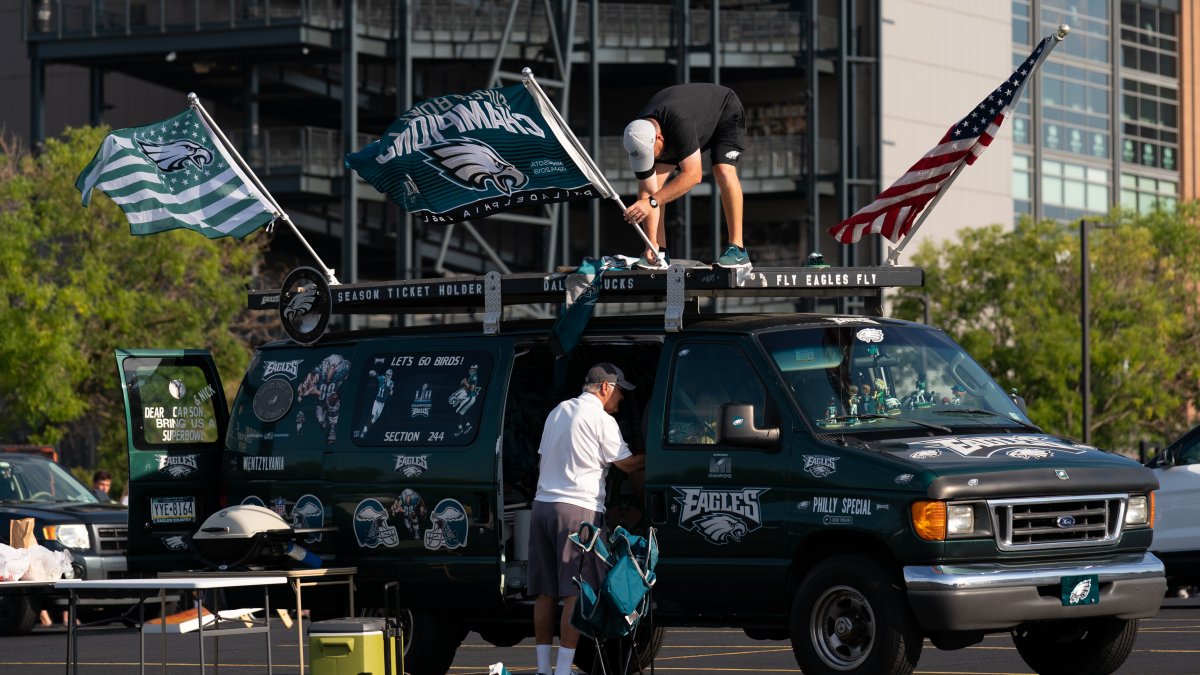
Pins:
x,y
473,164
721,528
175,543
173,155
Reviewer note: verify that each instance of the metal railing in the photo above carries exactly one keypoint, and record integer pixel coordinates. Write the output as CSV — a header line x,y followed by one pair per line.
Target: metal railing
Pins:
x,y
765,157
291,150
621,24
318,151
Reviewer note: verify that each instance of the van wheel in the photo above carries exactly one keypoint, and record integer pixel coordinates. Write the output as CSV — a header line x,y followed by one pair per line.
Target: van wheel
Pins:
x,y
850,618
430,641
649,640
1094,647
17,615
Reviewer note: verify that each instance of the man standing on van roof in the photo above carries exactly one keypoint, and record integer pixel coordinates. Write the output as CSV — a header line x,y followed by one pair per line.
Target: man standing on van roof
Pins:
x,y
579,442
673,128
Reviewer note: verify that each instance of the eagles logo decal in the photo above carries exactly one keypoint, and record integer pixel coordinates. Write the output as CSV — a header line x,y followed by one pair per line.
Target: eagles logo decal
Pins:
x,y
720,516
175,543
301,302
178,466
473,165
720,528
174,155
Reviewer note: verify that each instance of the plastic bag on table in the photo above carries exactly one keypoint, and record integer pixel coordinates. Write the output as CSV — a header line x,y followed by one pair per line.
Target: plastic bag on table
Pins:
x,y
13,562
47,565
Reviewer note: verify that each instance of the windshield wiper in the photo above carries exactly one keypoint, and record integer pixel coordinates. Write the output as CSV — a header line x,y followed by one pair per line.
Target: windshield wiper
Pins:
x,y
991,413
872,416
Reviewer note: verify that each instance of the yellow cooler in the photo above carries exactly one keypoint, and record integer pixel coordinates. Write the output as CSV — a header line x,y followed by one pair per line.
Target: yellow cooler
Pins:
x,y
347,646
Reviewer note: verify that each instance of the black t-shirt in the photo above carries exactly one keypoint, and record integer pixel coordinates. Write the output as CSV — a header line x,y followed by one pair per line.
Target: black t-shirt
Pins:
x,y
688,115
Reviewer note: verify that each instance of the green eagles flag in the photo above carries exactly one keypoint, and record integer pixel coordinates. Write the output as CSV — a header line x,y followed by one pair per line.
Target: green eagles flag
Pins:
x,y
464,156
175,174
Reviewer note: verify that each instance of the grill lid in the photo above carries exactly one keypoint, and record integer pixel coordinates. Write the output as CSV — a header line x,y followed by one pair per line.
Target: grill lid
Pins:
x,y
243,521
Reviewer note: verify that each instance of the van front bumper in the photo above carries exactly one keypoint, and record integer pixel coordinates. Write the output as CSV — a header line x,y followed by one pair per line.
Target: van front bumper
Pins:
x,y
995,596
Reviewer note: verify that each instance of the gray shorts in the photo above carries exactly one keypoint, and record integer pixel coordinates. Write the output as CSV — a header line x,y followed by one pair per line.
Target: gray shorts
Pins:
x,y
553,559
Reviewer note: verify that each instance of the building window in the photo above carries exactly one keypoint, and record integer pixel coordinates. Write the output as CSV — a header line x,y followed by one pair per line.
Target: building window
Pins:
x,y
1089,22
1150,123
1149,41
1144,193
1072,190
1075,106
1022,186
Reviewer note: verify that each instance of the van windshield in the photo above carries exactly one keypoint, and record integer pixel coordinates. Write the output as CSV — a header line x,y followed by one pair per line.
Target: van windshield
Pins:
x,y
864,375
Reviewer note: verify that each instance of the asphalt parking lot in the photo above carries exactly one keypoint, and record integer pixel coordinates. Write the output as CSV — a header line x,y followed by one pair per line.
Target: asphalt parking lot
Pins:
x,y
1168,644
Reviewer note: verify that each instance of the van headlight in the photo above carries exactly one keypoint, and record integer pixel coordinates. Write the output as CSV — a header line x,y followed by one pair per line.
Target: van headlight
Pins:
x,y
74,535
1140,510
960,519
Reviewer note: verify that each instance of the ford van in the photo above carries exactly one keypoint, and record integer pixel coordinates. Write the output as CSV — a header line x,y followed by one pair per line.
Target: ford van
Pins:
x,y
851,483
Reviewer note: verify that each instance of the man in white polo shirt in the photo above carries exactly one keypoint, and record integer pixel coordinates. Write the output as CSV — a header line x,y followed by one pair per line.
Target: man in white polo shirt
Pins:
x,y
579,442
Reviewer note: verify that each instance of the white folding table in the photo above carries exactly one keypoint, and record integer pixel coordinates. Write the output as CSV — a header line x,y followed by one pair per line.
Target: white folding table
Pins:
x,y
192,585
297,579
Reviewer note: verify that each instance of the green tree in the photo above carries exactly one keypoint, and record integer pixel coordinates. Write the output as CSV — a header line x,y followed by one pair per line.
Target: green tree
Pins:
x,y
1011,297
77,286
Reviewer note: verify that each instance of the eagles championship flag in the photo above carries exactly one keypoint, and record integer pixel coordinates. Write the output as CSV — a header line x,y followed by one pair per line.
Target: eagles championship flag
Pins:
x,y
175,174
894,211
463,156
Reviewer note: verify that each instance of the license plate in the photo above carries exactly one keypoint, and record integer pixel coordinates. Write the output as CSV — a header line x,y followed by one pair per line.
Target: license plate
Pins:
x,y
1080,590
172,510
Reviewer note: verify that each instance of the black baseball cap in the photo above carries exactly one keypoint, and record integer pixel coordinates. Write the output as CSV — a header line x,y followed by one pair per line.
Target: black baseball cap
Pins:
x,y
607,372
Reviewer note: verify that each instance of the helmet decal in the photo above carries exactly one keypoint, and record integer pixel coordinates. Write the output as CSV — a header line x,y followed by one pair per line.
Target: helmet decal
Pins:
x,y
308,512
371,526
448,526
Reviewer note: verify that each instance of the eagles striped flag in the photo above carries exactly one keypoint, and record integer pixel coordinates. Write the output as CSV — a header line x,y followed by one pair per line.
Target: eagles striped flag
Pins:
x,y
894,211
176,174
463,156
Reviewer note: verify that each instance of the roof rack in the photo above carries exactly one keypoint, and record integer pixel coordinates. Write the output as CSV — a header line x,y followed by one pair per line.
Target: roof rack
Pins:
x,y
306,301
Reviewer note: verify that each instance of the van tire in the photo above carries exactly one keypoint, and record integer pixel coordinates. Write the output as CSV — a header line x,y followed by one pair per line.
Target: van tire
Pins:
x,y
850,617
649,640
1092,647
430,641
17,615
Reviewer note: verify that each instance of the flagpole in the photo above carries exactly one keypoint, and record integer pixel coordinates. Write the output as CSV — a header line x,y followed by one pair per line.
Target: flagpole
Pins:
x,y
894,252
579,149
194,100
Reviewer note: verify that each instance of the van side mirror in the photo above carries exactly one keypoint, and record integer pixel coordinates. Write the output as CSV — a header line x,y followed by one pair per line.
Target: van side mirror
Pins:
x,y
737,428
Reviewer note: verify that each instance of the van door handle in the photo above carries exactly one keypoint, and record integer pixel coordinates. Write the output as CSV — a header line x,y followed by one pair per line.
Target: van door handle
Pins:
x,y
658,508
483,511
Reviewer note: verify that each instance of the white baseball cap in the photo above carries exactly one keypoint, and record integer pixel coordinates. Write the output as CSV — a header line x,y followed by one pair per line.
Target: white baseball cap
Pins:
x,y
639,143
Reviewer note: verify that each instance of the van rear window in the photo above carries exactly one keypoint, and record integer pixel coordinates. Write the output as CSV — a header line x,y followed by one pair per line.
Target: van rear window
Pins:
x,y
421,397
175,401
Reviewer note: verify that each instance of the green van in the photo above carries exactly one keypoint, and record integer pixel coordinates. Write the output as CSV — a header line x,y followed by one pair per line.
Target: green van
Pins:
x,y
849,482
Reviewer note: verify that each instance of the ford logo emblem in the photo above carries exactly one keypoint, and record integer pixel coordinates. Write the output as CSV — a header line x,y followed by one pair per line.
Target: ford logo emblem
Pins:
x,y
1066,521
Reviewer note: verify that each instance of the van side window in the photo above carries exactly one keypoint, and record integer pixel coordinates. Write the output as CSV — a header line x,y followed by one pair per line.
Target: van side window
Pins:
x,y
290,398
421,397
704,377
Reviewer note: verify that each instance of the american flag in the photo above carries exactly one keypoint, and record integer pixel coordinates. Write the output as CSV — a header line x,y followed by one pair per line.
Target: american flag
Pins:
x,y
894,211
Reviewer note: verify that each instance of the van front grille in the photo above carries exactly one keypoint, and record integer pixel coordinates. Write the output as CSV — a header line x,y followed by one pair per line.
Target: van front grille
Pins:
x,y
1045,522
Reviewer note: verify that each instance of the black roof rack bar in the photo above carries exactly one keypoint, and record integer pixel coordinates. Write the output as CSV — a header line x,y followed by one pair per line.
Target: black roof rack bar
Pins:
x,y
467,292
